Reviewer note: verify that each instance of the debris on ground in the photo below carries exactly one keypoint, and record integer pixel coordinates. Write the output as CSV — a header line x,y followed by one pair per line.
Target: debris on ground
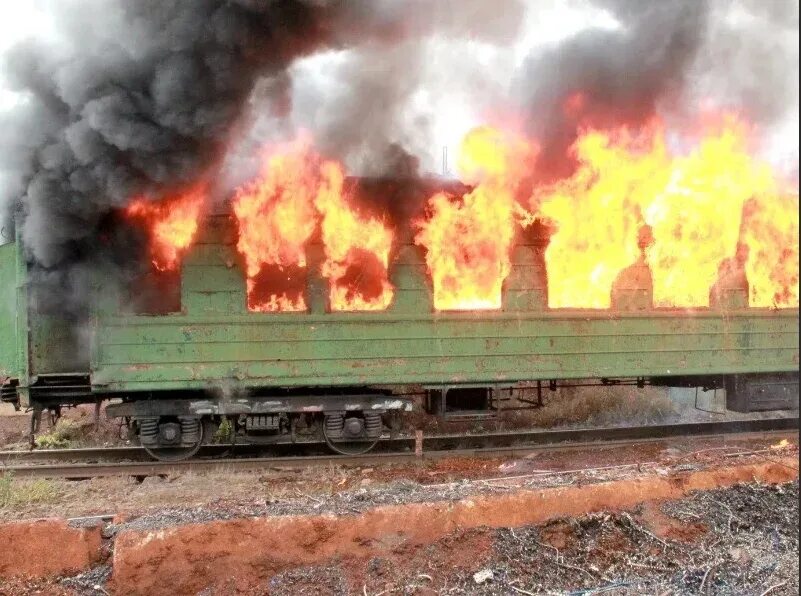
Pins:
x,y
734,537
739,540
339,489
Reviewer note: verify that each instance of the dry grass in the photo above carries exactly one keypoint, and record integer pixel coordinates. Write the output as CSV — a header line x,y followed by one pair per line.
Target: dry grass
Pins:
x,y
15,494
603,406
565,407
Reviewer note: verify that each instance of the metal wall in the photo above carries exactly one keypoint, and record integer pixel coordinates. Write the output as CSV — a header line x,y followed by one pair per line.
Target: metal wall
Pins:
x,y
9,325
214,340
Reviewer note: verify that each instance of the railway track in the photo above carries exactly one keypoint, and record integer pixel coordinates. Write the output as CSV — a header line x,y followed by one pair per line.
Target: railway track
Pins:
x,y
128,461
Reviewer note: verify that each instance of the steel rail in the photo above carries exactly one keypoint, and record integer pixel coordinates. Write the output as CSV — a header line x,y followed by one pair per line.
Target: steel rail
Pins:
x,y
509,444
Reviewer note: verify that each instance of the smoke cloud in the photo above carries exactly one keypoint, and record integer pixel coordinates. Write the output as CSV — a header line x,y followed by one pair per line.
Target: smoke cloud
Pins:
x,y
611,76
136,99
662,58
749,62
141,98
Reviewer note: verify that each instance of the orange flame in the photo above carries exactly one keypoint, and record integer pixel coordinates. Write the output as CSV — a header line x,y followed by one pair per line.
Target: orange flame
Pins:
x,y
596,221
696,214
468,239
356,249
171,223
770,228
276,218
278,214
694,204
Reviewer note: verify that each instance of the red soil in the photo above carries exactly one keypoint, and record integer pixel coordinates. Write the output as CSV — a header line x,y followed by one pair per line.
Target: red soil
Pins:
x,y
193,557
47,547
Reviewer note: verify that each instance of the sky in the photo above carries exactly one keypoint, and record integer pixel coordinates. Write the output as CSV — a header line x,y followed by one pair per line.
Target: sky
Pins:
x,y
19,20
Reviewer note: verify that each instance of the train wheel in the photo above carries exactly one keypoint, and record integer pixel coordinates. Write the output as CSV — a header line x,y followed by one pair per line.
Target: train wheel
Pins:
x,y
340,443
172,454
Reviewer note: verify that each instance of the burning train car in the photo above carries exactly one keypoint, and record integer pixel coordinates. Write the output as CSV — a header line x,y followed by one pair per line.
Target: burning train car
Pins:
x,y
301,306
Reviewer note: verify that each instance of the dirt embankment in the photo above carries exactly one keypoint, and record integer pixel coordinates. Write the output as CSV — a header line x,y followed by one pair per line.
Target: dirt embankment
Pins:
x,y
498,542
193,557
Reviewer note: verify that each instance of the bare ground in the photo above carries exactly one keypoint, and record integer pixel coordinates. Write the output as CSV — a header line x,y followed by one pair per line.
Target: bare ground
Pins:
x,y
76,428
285,491
740,540
737,540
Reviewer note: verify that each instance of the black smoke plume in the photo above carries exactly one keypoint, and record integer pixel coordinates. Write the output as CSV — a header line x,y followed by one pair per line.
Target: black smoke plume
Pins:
x,y
140,108
139,98
142,97
609,76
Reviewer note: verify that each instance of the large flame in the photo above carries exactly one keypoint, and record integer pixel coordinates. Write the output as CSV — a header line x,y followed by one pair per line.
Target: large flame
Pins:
x,y
770,227
693,200
171,223
696,212
276,219
596,219
278,214
357,249
468,239
702,200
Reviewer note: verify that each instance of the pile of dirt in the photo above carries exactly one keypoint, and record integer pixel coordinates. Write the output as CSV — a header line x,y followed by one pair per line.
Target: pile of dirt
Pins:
x,y
152,555
737,540
28,548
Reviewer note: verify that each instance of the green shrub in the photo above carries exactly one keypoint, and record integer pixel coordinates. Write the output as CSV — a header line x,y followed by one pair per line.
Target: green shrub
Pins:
x,y
60,436
224,431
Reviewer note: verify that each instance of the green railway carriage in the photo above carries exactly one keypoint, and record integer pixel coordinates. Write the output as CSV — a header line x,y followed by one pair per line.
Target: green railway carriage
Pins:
x,y
204,357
